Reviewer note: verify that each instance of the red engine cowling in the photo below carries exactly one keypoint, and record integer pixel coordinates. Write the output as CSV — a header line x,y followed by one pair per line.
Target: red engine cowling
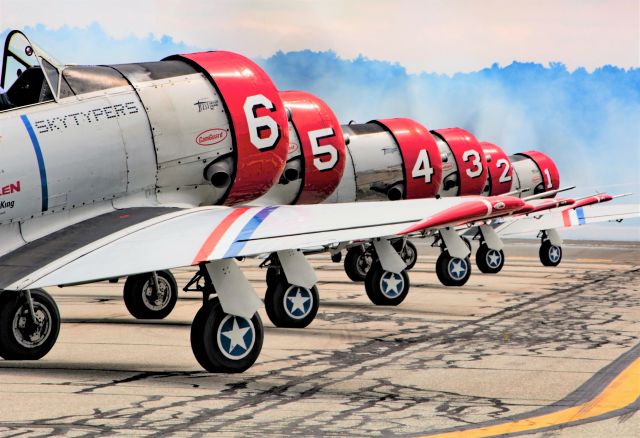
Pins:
x,y
536,171
464,164
421,162
320,138
257,119
388,159
500,170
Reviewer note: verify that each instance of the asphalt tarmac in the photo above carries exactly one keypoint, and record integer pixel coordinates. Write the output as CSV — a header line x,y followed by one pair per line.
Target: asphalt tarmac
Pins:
x,y
534,350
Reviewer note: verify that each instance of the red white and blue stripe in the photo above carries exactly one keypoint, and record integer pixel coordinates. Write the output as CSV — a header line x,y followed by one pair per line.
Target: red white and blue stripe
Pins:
x,y
218,240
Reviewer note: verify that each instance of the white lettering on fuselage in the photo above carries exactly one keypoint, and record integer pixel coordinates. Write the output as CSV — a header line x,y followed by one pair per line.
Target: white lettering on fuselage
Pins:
x,y
95,115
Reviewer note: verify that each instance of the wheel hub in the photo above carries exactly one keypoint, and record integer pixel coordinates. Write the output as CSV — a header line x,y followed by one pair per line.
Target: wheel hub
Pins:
x,y
457,268
391,284
298,302
554,253
407,254
156,299
28,333
236,337
364,263
494,258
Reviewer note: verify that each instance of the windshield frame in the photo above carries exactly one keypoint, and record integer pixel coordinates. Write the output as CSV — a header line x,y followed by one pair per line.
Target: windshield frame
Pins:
x,y
41,56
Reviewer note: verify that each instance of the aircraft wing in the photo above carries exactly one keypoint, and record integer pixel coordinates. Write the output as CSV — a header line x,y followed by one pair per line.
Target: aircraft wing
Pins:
x,y
567,218
190,236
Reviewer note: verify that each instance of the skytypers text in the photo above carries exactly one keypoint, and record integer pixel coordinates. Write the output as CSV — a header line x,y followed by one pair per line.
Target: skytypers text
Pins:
x,y
85,117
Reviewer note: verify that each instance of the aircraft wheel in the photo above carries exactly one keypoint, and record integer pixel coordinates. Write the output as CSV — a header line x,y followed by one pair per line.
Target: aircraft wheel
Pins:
x,y
224,343
20,337
550,255
489,261
142,299
409,253
292,306
357,263
453,271
386,288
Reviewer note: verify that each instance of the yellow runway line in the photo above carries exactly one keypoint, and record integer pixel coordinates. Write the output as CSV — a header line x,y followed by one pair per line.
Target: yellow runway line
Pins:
x,y
621,392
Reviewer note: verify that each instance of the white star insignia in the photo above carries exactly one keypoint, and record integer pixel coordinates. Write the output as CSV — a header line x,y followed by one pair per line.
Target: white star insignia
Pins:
x,y
392,284
554,253
298,301
494,259
458,268
236,336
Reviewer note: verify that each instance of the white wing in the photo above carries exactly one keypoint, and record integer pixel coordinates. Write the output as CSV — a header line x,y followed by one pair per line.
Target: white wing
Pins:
x,y
188,237
567,218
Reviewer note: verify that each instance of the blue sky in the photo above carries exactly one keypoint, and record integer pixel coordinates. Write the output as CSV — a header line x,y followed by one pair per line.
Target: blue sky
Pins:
x,y
571,99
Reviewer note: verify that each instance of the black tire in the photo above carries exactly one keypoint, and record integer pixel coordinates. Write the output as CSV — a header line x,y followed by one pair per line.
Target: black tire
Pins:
x,y
550,255
377,286
143,302
20,338
489,261
197,332
357,263
453,271
408,252
218,353
291,306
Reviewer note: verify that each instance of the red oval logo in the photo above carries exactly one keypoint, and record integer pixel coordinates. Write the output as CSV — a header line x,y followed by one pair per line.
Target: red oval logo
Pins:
x,y
211,137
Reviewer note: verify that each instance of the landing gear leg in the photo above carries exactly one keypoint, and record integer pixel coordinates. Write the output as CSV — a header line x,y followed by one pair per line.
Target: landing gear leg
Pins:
x,y
29,324
227,332
387,281
550,248
490,256
453,266
291,302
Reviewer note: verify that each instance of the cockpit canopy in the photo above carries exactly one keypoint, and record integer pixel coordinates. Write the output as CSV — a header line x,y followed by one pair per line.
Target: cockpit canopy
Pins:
x,y
31,76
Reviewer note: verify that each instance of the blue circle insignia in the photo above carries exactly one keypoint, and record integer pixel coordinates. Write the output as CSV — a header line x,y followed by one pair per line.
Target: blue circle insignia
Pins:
x,y
298,302
236,336
391,284
457,268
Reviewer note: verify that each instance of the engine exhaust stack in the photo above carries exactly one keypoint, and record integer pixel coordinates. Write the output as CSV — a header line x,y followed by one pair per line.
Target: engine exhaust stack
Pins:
x,y
292,171
219,172
395,192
